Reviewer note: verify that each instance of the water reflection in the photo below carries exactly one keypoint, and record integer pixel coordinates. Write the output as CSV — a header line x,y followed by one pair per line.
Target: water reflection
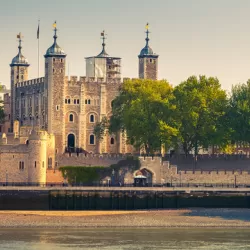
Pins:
x,y
128,239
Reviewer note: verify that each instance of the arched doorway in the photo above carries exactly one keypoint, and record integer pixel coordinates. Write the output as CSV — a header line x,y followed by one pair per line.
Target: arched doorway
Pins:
x,y
71,142
143,177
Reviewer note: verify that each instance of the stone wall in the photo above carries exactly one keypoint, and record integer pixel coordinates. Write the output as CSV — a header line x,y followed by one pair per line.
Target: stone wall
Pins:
x,y
163,172
54,176
88,160
14,162
210,162
27,162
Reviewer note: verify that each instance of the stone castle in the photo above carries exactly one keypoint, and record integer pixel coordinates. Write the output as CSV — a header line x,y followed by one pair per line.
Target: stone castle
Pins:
x,y
50,121
60,112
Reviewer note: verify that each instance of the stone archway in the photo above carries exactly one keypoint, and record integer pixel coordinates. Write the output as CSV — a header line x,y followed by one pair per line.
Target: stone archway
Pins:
x,y
147,173
71,142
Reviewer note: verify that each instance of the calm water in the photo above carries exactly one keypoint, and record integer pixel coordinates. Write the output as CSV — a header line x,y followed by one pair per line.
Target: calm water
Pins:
x,y
129,239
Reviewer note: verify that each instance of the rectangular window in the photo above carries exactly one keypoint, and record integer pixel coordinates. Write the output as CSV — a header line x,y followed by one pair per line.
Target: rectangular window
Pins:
x,y
49,162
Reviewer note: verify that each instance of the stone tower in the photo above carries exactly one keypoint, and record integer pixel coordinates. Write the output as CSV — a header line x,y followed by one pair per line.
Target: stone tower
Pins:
x,y
148,61
103,65
37,166
19,72
54,84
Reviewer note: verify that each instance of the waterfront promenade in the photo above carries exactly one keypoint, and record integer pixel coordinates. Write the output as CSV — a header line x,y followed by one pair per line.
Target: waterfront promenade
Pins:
x,y
130,189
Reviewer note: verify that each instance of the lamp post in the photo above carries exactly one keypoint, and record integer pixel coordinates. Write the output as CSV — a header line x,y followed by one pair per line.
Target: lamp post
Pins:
x,y
113,177
6,177
180,177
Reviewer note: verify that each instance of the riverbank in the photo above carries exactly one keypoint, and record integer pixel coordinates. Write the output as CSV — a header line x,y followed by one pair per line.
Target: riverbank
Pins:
x,y
219,218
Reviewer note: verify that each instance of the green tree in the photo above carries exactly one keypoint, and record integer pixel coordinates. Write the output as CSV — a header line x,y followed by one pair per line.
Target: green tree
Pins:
x,y
144,109
240,112
200,108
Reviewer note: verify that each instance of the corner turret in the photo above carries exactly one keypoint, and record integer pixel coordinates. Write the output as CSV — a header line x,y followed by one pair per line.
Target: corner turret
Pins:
x,y
103,65
19,73
148,61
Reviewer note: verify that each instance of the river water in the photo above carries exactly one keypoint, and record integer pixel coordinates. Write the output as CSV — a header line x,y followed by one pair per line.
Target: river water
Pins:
x,y
129,239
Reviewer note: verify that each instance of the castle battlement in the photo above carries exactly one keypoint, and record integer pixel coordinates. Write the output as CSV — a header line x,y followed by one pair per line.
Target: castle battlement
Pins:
x,y
97,156
148,160
214,172
83,79
30,82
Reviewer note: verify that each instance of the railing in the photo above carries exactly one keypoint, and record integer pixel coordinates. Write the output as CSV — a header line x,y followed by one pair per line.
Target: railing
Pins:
x,y
102,184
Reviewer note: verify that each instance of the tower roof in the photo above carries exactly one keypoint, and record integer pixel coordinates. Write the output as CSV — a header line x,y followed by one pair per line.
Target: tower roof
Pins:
x,y
103,52
55,49
147,50
19,59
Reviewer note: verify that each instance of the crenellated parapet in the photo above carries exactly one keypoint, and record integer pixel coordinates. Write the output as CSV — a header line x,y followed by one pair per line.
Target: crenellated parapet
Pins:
x,y
76,80
30,82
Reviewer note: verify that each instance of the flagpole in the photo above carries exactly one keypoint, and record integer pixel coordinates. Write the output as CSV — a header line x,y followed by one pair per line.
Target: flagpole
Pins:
x,y
38,36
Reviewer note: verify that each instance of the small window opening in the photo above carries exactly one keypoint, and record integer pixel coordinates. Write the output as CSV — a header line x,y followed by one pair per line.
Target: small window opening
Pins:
x,y
92,118
92,139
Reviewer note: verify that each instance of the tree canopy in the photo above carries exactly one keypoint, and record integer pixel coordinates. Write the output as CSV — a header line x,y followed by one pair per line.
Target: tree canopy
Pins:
x,y
144,110
195,114
239,113
200,107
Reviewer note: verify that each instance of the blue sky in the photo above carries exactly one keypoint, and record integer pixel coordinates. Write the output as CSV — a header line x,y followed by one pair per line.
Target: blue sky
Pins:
x,y
192,37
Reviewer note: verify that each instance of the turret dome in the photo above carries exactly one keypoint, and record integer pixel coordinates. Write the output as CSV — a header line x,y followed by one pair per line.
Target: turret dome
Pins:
x,y
146,51
103,52
19,59
55,49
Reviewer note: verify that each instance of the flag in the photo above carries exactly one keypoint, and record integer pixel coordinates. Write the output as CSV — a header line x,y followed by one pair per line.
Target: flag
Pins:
x,y
54,24
147,26
38,30
19,35
102,34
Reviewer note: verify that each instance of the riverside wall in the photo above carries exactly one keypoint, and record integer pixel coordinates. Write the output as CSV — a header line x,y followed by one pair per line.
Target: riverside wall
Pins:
x,y
116,200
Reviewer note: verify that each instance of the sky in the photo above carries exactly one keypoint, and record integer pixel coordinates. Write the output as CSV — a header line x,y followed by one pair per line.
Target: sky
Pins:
x,y
191,37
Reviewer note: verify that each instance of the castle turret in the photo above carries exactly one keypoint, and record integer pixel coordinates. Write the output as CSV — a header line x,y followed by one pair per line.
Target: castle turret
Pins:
x,y
37,157
19,72
54,82
148,61
103,65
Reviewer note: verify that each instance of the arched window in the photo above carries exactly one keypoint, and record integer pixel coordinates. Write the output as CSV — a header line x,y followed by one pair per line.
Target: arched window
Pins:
x,y
92,139
71,117
78,101
112,141
92,118
68,101
74,101
88,101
